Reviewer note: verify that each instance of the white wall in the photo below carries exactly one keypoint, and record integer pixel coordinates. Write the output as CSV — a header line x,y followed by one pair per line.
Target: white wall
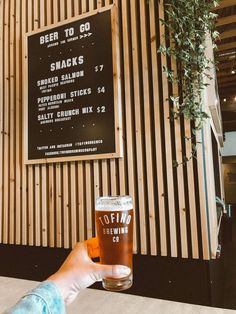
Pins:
x,y
229,148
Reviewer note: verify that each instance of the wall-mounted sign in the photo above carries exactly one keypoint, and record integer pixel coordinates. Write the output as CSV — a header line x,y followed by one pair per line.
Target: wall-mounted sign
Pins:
x,y
72,90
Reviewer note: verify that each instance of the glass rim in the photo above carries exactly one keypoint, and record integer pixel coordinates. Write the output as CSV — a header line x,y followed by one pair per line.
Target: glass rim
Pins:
x,y
116,202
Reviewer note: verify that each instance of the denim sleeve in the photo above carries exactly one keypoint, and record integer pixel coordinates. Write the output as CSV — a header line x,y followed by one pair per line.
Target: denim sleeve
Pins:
x,y
44,299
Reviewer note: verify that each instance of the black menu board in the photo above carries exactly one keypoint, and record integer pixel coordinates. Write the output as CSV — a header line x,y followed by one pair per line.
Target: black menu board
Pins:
x,y
72,90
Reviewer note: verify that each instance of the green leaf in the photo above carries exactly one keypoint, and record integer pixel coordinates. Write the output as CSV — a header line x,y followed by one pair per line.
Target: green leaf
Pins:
x,y
187,23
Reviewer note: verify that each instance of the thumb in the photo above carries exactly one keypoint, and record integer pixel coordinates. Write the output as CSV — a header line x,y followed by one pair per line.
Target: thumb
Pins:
x,y
114,271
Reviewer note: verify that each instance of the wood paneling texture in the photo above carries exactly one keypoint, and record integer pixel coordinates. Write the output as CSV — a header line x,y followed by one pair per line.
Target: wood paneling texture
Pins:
x,y
53,204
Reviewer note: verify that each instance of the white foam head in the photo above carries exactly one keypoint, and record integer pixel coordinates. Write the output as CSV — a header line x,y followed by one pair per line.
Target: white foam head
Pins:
x,y
117,203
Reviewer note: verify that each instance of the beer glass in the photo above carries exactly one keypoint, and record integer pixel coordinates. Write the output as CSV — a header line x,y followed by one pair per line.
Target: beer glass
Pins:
x,y
114,224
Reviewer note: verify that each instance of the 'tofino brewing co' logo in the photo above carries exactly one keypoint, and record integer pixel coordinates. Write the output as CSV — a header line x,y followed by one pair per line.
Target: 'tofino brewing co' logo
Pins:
x,y
114,218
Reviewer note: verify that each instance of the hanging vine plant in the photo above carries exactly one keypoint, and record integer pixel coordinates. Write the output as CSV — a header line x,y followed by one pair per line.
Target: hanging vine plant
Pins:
x,y
187,25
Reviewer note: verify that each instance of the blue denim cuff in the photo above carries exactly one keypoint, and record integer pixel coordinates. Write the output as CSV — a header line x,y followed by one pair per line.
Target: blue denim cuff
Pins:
x,y
44,299
50,296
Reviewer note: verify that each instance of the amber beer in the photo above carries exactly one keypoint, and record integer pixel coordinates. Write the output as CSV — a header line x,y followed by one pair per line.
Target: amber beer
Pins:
x,y
114,223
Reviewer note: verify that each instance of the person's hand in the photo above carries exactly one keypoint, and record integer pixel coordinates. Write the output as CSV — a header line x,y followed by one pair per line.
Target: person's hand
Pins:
x,y
79,271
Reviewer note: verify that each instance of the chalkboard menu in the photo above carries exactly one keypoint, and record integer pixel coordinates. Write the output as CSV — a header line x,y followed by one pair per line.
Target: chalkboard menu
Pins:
x,y
72,96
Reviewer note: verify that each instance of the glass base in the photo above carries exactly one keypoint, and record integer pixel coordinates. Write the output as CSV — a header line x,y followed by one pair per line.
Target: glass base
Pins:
x,y
120,284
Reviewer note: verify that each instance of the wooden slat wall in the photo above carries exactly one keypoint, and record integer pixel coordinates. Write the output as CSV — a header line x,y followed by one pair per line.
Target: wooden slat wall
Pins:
x,y
24,226
170,193
53,204
18,126
1,116
6,108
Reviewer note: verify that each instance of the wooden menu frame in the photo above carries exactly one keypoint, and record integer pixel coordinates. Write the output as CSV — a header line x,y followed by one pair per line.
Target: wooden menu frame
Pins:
x,y
50,35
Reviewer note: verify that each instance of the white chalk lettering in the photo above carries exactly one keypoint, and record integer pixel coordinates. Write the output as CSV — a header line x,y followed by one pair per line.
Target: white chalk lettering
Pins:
x,y
45,116
48,38
81,92
72,75
68,113
46,81
51,98
67,63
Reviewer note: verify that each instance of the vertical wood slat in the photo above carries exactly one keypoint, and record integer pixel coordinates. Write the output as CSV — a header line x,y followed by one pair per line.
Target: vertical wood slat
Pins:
x,y
51,205
104,164
147,132
6,124
49,9
55,12
88,199
181,193
37,168
87,166
73,219
122,175
69,8
97,187
76,7
29,16
1,114
168,149
158,135
66,206
18,100
62,10
30,212
105,188
104,178
35,14
192,196
99,4
31,225
53,172
24,169
88,176
113,177
44,206
96,172
118,169
84,6
58,206
81,201
91,5
95,167
43,17
36,205
180,175
129,117
65,203
138,130
12,125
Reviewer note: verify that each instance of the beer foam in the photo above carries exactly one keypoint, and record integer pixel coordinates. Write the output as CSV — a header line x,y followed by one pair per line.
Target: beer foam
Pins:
x,y
111,203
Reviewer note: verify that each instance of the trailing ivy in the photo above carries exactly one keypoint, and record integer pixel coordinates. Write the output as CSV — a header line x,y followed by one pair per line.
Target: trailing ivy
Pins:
x,y
187,23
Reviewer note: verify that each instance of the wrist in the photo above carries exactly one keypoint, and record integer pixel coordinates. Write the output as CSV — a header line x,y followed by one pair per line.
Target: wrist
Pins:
x,y
58,281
